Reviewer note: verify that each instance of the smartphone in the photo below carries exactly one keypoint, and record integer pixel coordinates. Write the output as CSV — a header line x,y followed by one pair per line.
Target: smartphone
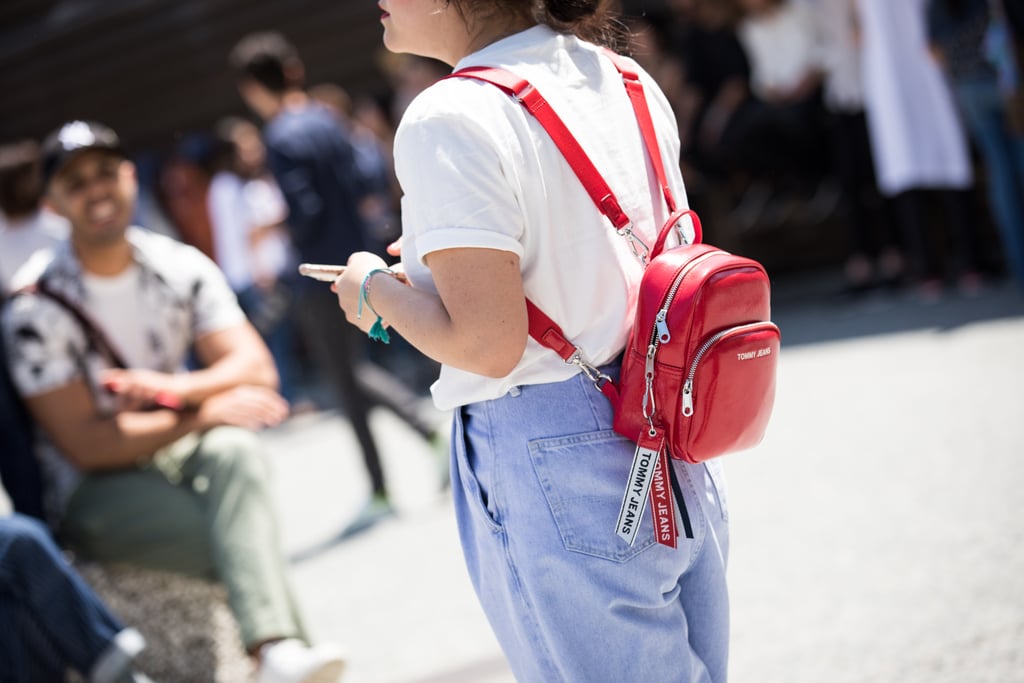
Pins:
x,y
319,271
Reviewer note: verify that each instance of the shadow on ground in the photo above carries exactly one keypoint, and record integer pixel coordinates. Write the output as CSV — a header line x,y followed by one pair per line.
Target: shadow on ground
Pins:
x,y
812,308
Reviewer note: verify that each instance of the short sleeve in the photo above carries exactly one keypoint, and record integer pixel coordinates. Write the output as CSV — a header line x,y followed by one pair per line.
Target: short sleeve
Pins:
x,y
458,176
42,343
215,306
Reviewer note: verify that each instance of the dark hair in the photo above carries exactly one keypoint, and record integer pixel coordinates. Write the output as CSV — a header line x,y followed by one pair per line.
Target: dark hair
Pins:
x,y
269,59
591,20
21,185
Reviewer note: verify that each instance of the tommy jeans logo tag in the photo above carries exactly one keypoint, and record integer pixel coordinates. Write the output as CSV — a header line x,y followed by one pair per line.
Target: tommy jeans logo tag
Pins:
x,y
750,355
641,474
663,509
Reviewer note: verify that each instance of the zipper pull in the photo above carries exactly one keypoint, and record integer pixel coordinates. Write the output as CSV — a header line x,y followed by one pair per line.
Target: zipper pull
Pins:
x,y
688,398
662,327
649,363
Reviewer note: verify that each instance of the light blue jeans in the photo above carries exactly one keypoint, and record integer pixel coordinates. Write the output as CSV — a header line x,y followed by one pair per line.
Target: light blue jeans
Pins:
x,y
537,479
1003,152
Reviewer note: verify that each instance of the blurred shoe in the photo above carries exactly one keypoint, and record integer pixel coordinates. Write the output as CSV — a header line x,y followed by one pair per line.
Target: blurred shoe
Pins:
x,y
971,284
116,663
439,444
376,509
292,661
930,291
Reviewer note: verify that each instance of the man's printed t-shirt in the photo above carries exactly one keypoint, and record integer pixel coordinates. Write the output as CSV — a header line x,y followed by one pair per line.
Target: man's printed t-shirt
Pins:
x,y
176,295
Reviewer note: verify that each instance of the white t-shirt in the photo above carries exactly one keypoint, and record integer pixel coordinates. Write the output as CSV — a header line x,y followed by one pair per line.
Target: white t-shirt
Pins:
x,y
229,220
173,295
916,135
237,208
271,255
840,54
19,240
116,305
783,47
477,170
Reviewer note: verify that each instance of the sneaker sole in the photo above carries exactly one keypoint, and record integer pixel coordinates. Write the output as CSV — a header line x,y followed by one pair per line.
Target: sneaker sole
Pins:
x,y
328,673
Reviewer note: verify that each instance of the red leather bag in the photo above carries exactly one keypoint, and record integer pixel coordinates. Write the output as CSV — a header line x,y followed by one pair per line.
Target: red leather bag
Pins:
x,y
698,372
701,359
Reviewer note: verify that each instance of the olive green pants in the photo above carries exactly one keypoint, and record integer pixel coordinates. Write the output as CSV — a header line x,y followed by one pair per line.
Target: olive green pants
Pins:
x,y
201,507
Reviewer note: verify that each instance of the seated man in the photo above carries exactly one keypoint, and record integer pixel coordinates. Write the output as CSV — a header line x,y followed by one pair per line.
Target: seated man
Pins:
x,y
50,619
145,462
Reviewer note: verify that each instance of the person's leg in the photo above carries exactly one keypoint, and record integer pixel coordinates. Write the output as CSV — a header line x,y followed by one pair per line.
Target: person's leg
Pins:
x,y
569,600
147,517
335,345
963,260
202,508
861,244
1003,154
910,208
59,613
387,390
228,474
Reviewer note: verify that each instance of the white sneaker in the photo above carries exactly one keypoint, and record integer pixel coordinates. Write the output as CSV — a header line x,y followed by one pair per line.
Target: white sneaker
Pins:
x,y
292,661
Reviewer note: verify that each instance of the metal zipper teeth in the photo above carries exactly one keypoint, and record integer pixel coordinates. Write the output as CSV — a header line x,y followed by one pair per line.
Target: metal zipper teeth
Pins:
x,y
663,312
687,395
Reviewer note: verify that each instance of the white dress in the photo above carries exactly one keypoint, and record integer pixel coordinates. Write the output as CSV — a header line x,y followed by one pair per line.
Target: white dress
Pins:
x,y
916,136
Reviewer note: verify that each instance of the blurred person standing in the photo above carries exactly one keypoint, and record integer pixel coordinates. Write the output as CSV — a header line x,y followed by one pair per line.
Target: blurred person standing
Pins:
x,y
26,227
874,256
377,206
918,144
781,41
182,185
145,462
310,153
372,139
717,74
247,214
974,44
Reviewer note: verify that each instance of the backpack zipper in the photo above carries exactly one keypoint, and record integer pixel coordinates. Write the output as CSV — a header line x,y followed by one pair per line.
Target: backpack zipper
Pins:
x,y
660,334
687,408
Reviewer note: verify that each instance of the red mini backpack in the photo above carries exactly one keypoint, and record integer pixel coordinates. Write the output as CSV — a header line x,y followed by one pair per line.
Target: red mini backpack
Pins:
x,y
698,372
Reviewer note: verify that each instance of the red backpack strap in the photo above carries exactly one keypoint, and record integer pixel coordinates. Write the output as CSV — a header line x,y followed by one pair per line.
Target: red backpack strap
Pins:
x,y
542,328
547,333
524,93
635,90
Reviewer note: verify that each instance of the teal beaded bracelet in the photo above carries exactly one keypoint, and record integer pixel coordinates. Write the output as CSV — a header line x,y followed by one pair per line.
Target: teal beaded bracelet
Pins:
x,y
377,331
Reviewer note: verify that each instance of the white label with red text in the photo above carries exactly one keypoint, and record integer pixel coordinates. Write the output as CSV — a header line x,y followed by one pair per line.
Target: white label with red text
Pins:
x,y
641,474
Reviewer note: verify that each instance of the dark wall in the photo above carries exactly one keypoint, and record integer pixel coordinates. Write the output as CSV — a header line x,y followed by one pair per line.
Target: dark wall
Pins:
x,y
156,69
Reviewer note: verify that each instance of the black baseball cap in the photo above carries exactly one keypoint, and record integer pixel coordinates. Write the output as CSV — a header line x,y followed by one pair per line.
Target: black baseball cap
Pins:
x,y
70,140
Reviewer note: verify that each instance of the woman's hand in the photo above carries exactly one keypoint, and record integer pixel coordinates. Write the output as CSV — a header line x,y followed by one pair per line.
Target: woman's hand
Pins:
x,y
349,284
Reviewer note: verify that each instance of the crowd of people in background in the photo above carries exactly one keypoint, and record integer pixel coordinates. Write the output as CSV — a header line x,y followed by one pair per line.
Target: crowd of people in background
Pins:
x,y
867,113
853,115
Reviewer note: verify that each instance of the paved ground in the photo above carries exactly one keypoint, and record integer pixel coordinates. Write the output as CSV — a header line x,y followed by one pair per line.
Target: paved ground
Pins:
x,y
878,532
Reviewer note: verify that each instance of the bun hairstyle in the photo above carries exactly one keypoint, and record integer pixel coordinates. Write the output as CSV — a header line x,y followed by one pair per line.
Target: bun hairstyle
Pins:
x,y
591,20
